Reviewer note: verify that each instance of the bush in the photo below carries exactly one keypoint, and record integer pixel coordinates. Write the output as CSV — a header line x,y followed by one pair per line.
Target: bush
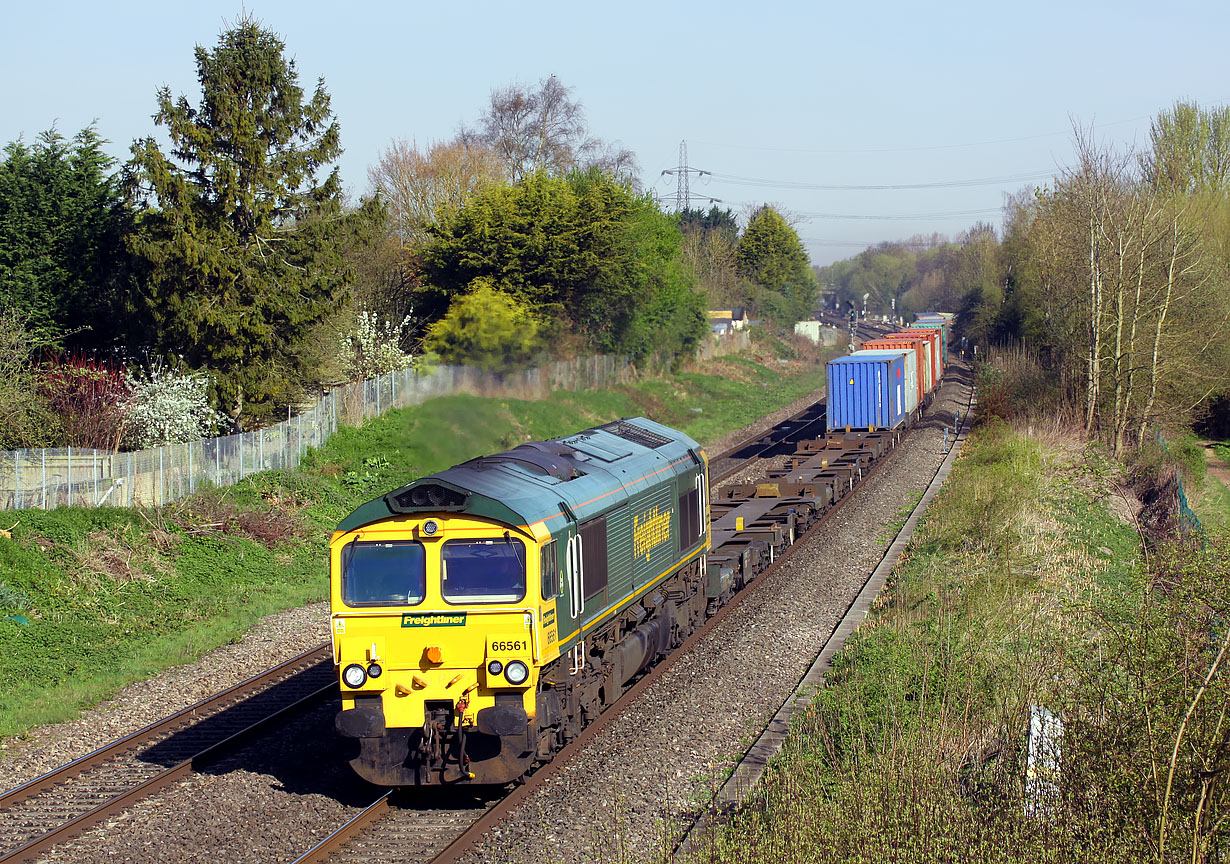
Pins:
x,y
89,396
1189,453
25,418
1013,384
168,407
485,328
372,347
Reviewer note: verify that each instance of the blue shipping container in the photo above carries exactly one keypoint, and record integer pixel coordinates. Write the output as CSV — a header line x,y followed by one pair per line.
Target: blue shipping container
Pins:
x,y
866,392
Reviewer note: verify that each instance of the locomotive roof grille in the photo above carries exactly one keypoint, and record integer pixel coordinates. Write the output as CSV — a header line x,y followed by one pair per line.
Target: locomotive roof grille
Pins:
x,y
636,434
430,496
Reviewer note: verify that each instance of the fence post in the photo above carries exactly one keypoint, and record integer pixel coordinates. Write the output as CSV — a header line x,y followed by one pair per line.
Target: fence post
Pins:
x,y
94,472
260,450
16,479
218,462
189,446
162,478
70,476
44,452
131,476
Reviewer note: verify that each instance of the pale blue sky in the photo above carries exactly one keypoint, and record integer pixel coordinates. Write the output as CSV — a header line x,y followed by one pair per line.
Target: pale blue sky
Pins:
x,y
806,93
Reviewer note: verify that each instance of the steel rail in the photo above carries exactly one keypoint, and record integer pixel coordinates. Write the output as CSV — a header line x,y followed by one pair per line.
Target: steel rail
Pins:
x,y
158,731
188,716
334,843
466,841
124,800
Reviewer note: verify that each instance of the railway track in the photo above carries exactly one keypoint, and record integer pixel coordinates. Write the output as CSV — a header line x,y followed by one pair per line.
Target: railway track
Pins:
x,y
61,804
401,829
67,800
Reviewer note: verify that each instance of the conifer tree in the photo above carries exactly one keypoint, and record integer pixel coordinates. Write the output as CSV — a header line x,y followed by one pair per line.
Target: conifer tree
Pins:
x,y
242,241
61,227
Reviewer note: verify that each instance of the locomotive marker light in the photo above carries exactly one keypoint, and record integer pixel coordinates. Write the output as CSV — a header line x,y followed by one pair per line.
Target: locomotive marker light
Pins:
x,y
374,670
516,672
354,675
430,527
495,667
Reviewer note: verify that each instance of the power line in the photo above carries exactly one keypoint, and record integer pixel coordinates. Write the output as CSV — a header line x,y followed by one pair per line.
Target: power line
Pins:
x,y
903,217
861,187
913,244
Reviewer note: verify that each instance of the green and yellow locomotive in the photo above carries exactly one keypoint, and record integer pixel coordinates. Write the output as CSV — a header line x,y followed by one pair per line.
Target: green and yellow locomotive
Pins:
x,y
483,615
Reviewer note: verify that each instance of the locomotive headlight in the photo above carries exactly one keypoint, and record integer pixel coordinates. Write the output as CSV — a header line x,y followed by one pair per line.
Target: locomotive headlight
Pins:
x,y
430,527
354,675
495,667
516,672
374,670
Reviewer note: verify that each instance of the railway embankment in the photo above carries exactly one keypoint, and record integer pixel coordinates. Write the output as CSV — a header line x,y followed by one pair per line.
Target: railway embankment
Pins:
x,y
104,598
1036,681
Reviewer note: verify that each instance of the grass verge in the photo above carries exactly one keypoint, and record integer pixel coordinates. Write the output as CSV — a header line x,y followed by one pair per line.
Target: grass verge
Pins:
x,y
91,600
1021,590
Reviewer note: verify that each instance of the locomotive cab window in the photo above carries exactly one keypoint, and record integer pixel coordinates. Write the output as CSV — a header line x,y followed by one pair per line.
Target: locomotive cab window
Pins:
x,y
388,573
483,571
550,572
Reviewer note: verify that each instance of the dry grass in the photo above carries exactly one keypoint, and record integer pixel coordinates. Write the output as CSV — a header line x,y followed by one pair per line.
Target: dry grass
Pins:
x,y
210,514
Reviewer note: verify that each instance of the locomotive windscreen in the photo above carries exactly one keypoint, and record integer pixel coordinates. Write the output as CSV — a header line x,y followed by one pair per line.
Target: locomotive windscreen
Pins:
x,y
390,573
483,571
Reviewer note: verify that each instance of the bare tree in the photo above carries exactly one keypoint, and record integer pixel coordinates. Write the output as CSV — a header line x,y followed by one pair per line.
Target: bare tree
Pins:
x,y
420,187
545,130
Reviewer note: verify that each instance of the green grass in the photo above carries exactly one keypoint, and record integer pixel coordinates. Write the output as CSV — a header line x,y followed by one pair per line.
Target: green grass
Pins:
x,y
115,595
1223,452
1019,589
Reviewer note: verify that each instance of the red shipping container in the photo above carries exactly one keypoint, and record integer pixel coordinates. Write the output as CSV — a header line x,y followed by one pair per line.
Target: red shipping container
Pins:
x,y
933,336
922,351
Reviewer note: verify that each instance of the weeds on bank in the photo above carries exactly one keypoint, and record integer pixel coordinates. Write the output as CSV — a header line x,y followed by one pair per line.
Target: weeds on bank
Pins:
x,y
1020,589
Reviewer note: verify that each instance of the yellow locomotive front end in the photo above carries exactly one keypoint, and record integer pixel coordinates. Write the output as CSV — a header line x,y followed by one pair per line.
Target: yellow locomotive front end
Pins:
x,y
438,637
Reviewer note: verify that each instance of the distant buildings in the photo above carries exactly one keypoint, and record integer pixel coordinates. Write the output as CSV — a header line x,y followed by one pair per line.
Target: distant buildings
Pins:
x,y
723,321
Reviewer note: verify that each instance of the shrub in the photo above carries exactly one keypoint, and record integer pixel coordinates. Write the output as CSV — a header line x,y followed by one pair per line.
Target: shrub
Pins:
x,y
89,396
25,419
1013,384
167,407
1189,453
485,328
372,347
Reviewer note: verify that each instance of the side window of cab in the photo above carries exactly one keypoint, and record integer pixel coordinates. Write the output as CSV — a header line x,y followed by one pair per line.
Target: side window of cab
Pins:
x,y
550,572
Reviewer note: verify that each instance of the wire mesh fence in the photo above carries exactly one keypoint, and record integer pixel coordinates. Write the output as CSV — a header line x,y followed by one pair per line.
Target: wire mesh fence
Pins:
x,y
70,476
1189,522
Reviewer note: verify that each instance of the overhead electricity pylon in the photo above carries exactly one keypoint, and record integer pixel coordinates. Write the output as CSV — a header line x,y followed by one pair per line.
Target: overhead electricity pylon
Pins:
x,y
683,192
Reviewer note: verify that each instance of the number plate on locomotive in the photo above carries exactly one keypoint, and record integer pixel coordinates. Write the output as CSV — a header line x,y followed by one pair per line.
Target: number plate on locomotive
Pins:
x,y
508,644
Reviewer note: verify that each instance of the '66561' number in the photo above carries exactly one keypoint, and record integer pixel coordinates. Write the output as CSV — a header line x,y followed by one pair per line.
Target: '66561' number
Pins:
x,y
509,645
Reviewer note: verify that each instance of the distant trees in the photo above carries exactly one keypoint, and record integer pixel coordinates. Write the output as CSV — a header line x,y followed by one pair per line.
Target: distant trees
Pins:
x,y
240,239
710,240
771,257
419,187
1189,150
1120,274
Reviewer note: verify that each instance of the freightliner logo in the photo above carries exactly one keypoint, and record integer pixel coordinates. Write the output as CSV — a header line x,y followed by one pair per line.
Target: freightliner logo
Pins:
x,y
433,619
